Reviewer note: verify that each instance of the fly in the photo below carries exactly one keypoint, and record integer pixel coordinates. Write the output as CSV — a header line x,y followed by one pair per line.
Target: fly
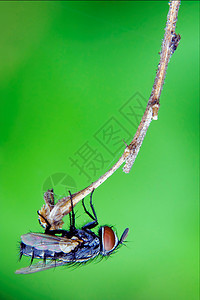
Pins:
x,y
70,247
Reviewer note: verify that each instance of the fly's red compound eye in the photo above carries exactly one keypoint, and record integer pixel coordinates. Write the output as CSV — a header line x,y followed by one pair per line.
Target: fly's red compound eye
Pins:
x,y
109,239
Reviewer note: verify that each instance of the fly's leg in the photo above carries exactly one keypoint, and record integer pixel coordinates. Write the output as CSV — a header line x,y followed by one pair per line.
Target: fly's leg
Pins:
x,y
94,223
86,211
22,247
47,229
72,215
70,218
92,207
32,257
52,232
44,258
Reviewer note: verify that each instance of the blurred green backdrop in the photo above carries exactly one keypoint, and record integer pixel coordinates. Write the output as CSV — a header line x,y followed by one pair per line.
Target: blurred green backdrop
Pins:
x,y
69,72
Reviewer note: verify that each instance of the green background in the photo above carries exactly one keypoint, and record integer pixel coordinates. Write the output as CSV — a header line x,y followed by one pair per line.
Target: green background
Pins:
x,y
66,68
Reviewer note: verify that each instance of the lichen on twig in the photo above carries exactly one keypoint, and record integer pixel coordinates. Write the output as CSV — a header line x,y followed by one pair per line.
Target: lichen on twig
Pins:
x,y
55,212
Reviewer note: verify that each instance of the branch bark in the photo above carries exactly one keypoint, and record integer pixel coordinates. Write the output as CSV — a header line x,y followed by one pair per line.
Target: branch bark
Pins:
x,y
55,212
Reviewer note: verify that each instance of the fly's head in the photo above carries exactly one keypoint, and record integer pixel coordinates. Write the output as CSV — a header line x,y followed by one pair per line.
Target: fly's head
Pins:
x,y
109,239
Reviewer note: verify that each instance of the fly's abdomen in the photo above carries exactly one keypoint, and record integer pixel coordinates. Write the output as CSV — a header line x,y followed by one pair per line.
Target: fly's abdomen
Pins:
x,y
35,253
44,246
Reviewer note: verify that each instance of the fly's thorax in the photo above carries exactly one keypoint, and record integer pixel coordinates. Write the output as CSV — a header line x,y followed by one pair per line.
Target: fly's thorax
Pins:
x,y
88,249
85,234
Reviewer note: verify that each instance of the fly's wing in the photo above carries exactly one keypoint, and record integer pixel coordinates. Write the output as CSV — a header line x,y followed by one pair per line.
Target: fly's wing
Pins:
x,y
42,241
40,266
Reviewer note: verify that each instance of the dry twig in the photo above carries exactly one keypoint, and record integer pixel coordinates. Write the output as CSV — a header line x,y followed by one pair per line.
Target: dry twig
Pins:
x,y
55,212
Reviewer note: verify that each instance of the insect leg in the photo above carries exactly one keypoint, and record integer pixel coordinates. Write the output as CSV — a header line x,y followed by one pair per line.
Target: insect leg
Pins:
x,y
20,255
53,232
94,223
47,229
86,211
22,247
72,217
92,207
44,258
64,233
32,257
